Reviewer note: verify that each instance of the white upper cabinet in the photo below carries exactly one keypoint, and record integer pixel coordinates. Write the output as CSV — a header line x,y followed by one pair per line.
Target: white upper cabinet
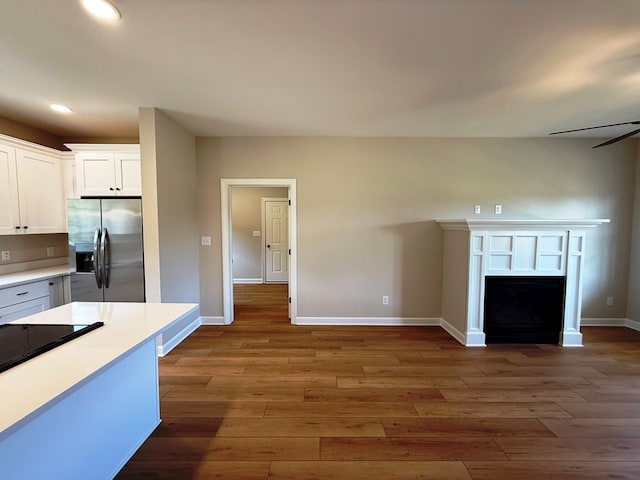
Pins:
x,y
31,189
107,170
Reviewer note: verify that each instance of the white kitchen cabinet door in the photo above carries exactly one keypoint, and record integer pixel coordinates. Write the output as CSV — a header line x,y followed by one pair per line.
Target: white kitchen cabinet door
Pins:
x,y
40,193
9,208
95,174
128,176
56,291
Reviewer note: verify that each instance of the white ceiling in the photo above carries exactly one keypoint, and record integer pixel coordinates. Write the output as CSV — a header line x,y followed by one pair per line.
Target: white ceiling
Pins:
x,y
481,68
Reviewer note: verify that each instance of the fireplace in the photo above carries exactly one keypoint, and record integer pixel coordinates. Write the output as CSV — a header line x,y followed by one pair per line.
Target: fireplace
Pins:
x,y
523,309
542,258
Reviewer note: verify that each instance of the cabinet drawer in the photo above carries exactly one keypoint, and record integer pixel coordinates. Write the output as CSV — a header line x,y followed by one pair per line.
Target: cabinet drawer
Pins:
x,y
24,292
23,309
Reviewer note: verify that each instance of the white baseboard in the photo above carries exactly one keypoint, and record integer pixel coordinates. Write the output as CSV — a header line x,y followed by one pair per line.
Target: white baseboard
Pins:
x,y
632,324
170,344
603,322
611,322
571,339
370,321
248,280
212,320
453,331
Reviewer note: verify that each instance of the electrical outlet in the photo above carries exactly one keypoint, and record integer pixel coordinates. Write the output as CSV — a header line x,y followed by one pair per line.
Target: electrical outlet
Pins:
x,y
609,301
50,252
257,233
498,209
385,300
6,255
476,209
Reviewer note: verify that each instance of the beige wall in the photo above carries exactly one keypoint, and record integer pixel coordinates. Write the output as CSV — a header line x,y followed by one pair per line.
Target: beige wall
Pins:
x,y
246,217
633,308
168,164
366,211
30,134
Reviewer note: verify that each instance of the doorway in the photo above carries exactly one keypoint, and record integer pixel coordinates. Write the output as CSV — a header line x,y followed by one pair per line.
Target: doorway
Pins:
x,y
226,186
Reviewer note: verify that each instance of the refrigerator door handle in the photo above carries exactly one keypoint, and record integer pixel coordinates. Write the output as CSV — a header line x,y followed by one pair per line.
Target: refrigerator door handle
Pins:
x,y
96,258
105,257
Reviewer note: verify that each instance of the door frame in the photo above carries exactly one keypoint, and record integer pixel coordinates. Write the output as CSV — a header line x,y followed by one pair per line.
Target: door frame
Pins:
x,y
225,218
263,215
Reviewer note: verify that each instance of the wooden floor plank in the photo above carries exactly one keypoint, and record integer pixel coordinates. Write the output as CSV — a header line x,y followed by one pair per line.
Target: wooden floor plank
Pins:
x,y
491,409
594,427
372,394
197,408
399,382
601,409
527,382
301,427
439,371
237,393
396,470
195,470
408,448
591,470
571,449
464,427
510,395
340,409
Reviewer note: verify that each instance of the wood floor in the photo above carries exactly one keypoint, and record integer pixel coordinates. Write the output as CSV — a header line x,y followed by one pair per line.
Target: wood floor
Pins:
x,y
262,399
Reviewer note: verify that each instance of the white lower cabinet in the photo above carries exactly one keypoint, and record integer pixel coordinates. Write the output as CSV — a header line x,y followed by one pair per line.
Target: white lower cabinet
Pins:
x,y
59,291
23,300
24,309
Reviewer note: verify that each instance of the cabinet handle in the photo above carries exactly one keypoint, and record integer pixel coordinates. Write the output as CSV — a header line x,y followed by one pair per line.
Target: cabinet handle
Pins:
x,y
23,293
111,189
117,189
17,227
25,226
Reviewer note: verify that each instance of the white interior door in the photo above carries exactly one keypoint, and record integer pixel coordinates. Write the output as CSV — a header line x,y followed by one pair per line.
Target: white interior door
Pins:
x,y
276,240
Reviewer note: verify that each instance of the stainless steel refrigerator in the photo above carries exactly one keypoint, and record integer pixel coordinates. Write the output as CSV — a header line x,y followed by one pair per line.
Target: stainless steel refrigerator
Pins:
x,y
105,250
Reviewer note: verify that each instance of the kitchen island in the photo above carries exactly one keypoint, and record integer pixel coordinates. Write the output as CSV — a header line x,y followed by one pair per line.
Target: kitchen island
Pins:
x,y
82,409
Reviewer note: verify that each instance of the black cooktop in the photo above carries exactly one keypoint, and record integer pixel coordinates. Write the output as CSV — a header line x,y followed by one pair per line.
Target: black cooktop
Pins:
x,y
21,341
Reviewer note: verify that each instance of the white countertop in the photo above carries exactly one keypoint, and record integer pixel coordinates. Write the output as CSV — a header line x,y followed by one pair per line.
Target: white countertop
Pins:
x,y
33,385
18,278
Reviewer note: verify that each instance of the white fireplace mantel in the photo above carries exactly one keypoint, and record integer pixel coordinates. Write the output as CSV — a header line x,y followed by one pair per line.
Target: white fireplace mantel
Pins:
x,y
476,248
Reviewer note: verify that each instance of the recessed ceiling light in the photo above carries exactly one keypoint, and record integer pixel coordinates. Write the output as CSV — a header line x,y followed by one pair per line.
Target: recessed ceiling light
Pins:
x,y
60,108
102,10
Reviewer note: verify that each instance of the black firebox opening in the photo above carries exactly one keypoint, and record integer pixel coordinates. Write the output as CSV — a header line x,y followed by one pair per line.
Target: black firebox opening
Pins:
x,y
523,309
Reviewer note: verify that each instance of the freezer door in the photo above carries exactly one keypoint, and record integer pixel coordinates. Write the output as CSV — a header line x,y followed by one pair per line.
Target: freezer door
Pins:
x,y
84,217
83,288
122,221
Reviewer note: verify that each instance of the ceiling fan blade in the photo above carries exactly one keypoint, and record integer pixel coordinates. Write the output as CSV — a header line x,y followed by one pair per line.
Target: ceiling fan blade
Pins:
x,y
635,122
617,139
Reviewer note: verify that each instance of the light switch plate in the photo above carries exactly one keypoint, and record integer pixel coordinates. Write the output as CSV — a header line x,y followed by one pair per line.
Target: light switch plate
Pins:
x,y
206,241
50,252
257,233
6,255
